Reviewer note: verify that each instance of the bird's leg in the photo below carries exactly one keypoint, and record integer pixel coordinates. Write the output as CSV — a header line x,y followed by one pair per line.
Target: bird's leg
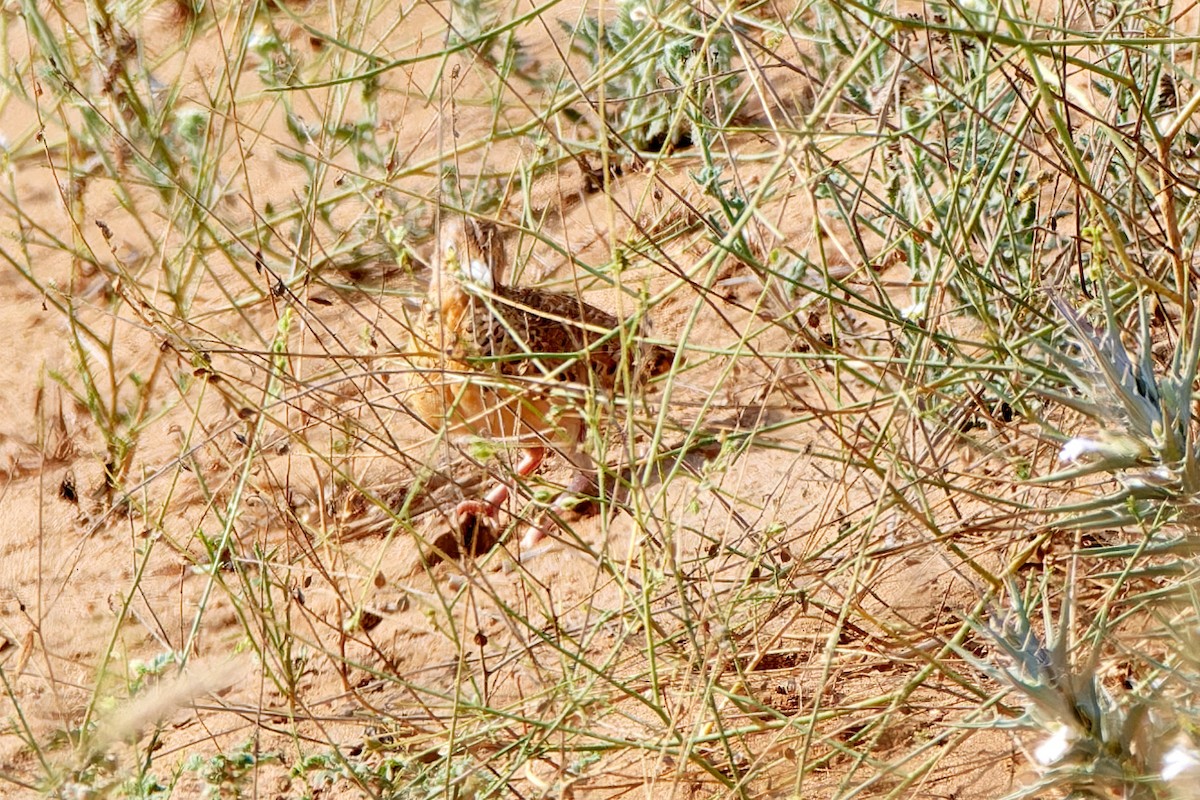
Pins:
x,y
576,501
469,512
533,458
579,498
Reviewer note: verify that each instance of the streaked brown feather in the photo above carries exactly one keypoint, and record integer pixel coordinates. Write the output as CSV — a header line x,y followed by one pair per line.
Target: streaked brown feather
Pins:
x,y
511,362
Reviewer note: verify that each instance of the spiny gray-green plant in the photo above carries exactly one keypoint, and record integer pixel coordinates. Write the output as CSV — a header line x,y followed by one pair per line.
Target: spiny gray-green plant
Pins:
x,y
667,70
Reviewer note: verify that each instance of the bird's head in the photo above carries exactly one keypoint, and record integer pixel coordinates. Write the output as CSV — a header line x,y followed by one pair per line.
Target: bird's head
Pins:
x,y
469,253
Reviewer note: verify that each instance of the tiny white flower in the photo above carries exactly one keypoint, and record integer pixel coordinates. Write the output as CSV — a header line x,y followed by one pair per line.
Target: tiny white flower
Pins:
x,y
1053,749
978,6
1077,448
263,41
1163,474
77,791
1181,760
638,14
914,311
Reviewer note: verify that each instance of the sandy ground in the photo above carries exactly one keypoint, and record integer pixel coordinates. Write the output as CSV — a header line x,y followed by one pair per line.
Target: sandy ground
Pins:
x,y
260,533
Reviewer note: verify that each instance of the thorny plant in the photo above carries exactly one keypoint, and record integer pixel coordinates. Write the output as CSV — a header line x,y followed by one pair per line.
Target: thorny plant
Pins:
x,y
1142,417
1099,735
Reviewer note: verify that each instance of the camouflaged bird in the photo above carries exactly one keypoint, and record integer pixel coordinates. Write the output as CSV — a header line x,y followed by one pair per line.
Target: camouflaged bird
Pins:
x,y
513,363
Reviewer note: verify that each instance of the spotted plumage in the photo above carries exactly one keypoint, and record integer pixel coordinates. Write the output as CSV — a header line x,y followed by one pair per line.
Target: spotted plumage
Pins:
x,y
507,361
513,363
